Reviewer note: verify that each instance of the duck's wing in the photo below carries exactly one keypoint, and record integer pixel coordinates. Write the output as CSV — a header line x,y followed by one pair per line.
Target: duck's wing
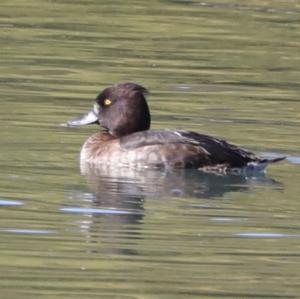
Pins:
x,y
218,151
155,137
223,152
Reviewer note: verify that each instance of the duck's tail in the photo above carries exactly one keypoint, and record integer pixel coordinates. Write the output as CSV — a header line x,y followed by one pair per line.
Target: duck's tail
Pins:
x,y
262,163
272,160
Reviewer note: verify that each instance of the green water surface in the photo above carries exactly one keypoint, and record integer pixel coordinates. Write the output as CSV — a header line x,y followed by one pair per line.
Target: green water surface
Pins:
x,y
225,68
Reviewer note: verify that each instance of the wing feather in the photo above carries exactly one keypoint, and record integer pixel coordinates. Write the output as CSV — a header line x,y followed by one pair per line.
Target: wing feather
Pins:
x,y
218,150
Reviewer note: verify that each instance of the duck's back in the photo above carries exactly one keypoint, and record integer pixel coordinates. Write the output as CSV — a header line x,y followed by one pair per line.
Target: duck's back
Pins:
x,y
166,148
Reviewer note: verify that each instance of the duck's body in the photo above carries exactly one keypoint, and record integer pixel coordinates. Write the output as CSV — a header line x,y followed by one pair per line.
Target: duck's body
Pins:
x,y
127,141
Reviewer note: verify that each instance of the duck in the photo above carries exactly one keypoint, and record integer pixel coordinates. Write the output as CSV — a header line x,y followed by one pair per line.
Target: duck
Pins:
x,y
126,139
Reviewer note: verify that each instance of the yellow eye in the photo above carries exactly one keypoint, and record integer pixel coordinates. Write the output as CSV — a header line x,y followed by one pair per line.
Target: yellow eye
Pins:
x,y
107,102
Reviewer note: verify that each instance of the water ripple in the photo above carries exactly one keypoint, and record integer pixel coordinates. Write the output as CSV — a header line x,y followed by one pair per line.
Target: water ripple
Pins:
x,y
8,202
266,235
27,231
294,160
95,211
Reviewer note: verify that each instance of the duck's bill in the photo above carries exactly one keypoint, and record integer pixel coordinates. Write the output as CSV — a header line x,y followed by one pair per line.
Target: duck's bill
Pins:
x,y
89,118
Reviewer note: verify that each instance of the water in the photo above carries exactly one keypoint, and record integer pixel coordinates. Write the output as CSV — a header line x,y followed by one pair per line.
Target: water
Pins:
x,y
220,67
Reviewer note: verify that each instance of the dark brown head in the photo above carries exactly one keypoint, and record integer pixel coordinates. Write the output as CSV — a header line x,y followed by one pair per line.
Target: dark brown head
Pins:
x,y
121,109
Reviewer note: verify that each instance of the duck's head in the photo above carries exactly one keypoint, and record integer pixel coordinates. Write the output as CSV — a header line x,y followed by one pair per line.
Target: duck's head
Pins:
x,y
120,109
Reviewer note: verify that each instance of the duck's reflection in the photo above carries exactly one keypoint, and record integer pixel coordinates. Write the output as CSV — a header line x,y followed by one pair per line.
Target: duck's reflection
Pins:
x,y
119,196
121,187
